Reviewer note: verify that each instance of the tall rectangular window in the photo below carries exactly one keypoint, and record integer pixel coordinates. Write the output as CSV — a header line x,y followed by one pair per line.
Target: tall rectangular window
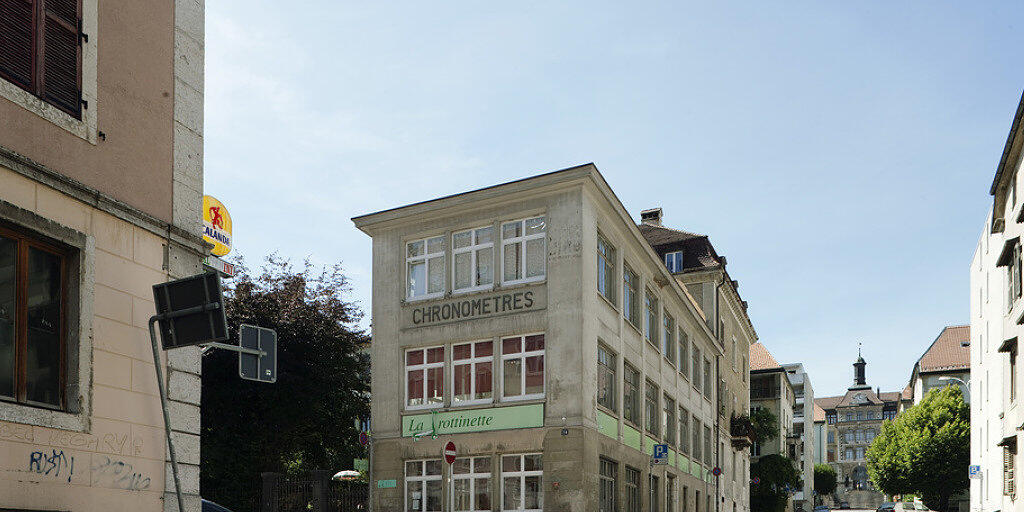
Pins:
x,y
651,408
697,445
523,250
1009,483
607,495
707,379
424,377
652,493
33,293
423,486
669,340
41,50
521,477
472,372
473,259
669,420
670,490
633,490
522,367
684,354
651,318
630,300
424,260
606,269
735,354
1013,374
606,378
684,431
707,445
631,395
471,484
674,261
696,368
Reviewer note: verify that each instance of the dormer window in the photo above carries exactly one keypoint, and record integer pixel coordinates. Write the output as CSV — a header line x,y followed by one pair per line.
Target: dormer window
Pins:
x,y
674,261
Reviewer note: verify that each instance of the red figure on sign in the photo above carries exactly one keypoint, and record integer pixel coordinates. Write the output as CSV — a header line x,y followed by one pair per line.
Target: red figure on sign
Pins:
x,y
216,218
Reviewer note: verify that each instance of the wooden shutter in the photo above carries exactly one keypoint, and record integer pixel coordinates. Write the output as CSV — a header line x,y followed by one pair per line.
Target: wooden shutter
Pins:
x,y
17,36
62,55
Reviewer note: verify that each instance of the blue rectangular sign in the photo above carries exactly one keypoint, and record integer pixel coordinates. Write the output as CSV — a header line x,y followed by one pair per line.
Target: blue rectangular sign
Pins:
x,y
660,454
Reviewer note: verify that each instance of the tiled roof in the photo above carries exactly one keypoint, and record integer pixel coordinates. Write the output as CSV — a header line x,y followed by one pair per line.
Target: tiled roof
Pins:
x,y
819,413
948,351
828,402
761,359
698,254
891,396
908,393
660,235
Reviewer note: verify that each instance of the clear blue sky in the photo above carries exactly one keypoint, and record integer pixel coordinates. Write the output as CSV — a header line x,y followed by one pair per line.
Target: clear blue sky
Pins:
x,y
839,153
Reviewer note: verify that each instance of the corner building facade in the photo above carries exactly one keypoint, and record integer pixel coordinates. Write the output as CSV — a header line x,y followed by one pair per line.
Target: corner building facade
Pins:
x,y
534,325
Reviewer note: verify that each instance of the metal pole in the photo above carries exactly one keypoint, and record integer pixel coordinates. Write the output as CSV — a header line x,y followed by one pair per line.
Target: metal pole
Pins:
x,y
163,405
369,494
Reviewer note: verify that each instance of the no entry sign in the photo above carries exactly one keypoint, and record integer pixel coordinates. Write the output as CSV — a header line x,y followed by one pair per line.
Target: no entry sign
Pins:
x,y
449,452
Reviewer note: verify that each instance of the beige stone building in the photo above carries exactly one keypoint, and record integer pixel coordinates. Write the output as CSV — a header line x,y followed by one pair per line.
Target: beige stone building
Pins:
x,y
555,342
100,196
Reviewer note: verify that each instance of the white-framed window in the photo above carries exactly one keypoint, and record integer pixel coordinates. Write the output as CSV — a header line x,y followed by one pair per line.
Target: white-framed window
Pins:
x,y
674,261
607,389
651,318
523,250
472,370
473,259
849,454
606,269
522,367
521,480
424,261
684,354
423,486
669,338
424,377
630,299
471,484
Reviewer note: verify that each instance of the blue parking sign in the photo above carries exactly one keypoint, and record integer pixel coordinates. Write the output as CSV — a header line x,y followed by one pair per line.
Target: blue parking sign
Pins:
x,y
974,471
660,454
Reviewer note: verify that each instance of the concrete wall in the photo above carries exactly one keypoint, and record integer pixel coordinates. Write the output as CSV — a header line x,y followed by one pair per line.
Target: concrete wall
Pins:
x,y
108,451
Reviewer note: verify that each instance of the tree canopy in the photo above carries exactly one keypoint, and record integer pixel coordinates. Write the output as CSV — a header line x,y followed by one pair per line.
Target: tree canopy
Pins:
x,y
824,479
774,476
765,425
304,421
925,450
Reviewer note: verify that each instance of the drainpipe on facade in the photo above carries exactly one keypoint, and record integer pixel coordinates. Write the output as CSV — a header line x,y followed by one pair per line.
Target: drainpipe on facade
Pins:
x,y
718,392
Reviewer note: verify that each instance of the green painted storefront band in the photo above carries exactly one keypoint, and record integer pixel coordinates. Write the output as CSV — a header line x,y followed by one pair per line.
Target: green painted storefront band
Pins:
x,y
474,420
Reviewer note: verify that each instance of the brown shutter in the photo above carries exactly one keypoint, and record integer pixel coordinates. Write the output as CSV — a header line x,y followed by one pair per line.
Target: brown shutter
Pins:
x,y
62,55
16,38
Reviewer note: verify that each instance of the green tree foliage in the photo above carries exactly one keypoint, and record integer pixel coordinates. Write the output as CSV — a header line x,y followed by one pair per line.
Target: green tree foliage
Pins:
x,y
925,450
824,479
776,476
766,425
304,421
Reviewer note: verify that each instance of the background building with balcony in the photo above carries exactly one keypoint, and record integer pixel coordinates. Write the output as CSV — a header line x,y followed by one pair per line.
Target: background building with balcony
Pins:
x,y
772,389
804,438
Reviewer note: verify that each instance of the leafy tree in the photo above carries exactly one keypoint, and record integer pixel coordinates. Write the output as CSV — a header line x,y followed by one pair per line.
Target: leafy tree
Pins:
x,y
775,476
765,425
824,479
925,450
304,421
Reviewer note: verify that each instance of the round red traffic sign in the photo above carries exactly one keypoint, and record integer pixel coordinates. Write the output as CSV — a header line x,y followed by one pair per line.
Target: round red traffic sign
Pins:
x,y
449,452
364,438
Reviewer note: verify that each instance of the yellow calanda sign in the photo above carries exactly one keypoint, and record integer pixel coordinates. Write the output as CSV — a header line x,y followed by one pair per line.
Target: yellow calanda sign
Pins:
x,y
216,225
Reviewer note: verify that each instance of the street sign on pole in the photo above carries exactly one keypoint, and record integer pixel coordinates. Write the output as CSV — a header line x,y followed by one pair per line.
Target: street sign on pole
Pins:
x,y
716,471
260,364
190,311
660,454
449,452
364,438
974,471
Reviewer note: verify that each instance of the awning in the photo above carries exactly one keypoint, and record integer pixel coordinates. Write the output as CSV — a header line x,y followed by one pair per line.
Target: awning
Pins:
x,y
1009,345
1009,442
1007,252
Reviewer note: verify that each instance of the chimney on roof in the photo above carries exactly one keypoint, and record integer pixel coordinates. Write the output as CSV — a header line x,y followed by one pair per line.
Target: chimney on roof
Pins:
x,y
651,216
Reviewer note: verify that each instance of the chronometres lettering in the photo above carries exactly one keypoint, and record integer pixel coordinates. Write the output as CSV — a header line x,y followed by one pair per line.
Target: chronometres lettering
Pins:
x,y
470,308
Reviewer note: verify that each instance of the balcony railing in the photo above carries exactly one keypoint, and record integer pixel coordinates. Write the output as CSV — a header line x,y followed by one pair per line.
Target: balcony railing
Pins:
x,y
760,393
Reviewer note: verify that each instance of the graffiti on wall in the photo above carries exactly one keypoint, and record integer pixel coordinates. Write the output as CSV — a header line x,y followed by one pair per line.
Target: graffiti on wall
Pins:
x,y
118,474
51,463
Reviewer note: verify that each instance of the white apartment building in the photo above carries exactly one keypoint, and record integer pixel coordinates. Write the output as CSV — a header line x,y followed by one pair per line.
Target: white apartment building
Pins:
x,y
996,315
804,444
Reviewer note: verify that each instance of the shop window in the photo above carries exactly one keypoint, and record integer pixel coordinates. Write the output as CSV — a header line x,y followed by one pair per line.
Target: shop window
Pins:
x,y
423,486
606,379
471,372
606,269
473,259
33,330
609,473
521,479
523,250
424,377
424,262
522,359
471,484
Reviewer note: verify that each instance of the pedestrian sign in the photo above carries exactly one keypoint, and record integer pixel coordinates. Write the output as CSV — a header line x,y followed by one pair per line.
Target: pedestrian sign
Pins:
x,y
974,471
660,454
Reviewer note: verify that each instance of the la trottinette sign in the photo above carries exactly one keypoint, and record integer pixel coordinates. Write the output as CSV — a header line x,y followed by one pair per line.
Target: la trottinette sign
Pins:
x,y
477,420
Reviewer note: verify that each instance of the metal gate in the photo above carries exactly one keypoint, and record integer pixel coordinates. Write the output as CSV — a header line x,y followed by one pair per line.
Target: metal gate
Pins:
x,y
315,493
